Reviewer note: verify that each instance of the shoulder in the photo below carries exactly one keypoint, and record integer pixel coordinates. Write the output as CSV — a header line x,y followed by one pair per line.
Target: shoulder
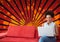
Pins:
x,y
53,23
44,24
56,25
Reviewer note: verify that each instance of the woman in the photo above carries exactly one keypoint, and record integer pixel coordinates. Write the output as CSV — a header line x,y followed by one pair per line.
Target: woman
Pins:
x,y
49,24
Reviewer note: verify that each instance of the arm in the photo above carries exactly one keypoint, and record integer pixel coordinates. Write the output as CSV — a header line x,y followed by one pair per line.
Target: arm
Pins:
x,y
56,30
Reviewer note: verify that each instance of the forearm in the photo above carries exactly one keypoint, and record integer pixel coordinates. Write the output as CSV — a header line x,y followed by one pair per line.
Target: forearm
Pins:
x,y
56,29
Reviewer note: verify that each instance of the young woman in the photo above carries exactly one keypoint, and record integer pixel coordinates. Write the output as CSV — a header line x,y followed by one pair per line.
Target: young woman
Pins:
x,y
49,24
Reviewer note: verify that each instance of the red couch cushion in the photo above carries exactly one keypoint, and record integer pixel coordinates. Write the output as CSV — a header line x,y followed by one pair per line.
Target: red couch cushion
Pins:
x,y
27,31
21,31
10,39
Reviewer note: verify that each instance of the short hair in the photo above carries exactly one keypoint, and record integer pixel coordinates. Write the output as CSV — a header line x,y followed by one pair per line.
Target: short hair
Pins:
x,y
49,12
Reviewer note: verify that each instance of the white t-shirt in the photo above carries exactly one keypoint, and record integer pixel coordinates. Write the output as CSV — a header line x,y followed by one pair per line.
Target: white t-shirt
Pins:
x,y
51,26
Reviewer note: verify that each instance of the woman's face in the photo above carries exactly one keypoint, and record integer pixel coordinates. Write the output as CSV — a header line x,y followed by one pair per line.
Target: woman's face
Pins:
x,y
48,18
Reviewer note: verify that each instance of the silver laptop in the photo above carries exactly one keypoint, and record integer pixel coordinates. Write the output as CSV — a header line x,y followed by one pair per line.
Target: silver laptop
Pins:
x,y
42,31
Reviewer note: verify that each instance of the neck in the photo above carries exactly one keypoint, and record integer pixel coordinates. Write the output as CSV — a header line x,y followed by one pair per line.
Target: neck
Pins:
x,y
49,22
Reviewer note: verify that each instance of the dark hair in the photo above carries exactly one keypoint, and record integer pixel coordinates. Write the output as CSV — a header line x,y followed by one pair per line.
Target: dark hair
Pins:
x,y
51,13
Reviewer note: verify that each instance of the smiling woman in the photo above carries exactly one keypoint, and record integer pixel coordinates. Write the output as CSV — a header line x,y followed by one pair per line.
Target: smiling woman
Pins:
x,y
49,25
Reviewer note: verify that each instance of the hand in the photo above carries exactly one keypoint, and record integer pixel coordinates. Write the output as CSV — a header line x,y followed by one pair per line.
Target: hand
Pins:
x,y
56,34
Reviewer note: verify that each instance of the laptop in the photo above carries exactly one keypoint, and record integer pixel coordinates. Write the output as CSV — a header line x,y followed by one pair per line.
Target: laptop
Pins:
x,y
43,31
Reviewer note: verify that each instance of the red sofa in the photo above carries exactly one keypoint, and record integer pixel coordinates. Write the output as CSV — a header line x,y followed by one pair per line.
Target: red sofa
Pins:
x,y
21,34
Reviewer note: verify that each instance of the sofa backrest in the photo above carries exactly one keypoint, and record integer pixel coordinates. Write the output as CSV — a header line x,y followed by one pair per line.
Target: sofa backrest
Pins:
x,y
22,31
